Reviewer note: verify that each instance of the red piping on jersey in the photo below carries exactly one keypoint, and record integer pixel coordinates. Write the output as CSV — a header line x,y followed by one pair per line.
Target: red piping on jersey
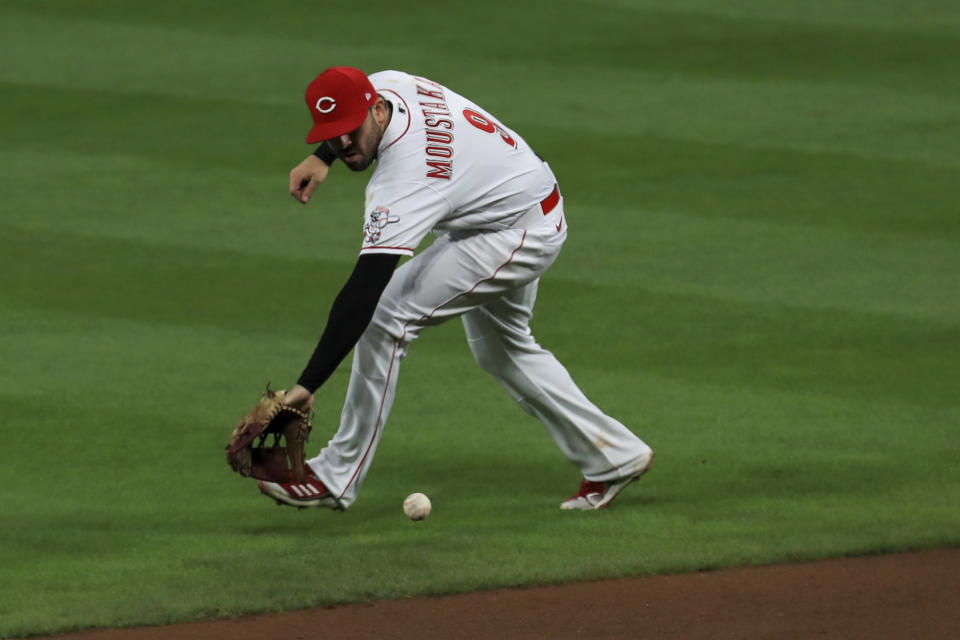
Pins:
x,y
376,430
409,118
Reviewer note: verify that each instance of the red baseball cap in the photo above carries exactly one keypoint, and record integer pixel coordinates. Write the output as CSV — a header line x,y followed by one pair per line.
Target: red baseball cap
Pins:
x,y
338,99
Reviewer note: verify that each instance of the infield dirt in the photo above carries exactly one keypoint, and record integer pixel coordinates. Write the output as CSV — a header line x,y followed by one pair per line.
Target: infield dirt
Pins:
x,y
890,597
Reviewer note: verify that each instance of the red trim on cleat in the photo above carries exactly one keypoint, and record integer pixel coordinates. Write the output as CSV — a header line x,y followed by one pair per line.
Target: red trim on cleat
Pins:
x,y
309,493
588,488
597,495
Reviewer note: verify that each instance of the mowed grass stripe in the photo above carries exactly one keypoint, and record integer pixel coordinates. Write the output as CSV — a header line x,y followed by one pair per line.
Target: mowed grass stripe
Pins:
x,y
760,262
149,57
184,131
238,131
704,44
167,283
923,15
90,276
835,99
866,122
788,186
861,356
144,201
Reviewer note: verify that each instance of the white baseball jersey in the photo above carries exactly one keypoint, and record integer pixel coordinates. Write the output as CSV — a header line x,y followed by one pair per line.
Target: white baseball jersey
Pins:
x,y
444,164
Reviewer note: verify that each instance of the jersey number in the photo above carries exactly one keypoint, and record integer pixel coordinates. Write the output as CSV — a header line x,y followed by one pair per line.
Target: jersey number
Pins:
x,y
489,126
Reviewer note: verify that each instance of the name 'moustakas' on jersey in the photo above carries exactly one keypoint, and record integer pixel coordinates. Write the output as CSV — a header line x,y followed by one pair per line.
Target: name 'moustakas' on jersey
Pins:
x,y
444,164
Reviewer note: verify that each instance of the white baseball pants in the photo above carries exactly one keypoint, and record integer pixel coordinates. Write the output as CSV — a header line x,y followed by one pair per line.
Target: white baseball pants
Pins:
x,y
490,280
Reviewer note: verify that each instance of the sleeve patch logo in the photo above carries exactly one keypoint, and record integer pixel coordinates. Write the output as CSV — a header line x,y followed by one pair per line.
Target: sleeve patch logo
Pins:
x,y
379,218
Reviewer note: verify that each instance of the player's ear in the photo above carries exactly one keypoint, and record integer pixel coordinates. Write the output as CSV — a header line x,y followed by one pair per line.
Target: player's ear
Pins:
x,y
380,110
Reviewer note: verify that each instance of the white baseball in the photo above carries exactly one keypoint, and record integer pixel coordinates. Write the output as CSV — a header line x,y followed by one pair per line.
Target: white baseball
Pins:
x,y
417,506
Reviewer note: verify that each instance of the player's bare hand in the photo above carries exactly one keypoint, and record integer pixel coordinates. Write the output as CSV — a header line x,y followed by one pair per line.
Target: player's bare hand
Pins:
x,y
299,398
306,177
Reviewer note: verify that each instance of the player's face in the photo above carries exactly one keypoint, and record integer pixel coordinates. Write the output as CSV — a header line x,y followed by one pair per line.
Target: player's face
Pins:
x,y
358,148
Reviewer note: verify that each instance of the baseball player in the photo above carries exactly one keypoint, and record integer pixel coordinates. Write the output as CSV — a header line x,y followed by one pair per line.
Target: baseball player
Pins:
x,y
446,165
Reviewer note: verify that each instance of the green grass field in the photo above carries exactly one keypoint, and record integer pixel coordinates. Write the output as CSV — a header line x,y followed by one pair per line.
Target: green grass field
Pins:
x,y
762,280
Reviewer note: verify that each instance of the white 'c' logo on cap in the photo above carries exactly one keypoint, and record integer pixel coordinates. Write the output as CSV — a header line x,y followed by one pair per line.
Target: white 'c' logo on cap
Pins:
x,y
326,100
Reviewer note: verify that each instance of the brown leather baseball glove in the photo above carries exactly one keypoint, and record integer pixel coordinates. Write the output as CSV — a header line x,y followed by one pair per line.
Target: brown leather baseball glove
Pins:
x,y
268,443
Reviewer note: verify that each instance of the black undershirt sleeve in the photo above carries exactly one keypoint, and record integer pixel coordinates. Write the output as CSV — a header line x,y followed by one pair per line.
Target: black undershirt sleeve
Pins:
x,y
349,316
325,153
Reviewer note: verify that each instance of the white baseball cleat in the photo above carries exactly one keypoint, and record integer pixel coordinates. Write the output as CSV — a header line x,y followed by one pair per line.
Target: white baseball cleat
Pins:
x,y
309,493
597,495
